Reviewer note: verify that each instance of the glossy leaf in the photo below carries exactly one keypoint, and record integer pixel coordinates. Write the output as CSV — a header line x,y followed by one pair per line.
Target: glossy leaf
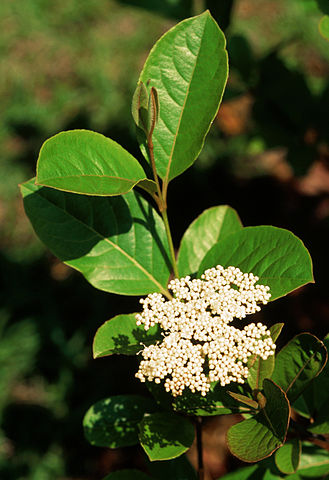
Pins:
x,y
321,424
314,461
217,402
320,421
179,468
128,475
275,255
163,398
260,369
117,243
164,435
121,335
81,161
148,185
206,230
288,456
320,414
314,400
258,437
297,363
113,422
188,67
244,473
244,400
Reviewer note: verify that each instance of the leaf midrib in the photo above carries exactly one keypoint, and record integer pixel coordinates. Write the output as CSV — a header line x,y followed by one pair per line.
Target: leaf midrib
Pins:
x,y
300,371
114,245
318,464
60,177
166,179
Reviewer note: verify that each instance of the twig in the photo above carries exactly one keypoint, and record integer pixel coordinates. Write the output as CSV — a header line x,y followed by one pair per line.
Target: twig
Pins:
x,y
199,447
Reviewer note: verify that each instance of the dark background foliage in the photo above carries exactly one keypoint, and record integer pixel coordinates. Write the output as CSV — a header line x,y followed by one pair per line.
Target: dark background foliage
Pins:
x,y
75,64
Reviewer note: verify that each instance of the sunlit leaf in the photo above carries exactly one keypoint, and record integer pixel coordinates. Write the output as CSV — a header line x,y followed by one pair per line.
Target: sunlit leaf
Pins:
x,y
206,230
275,255
113,422
81,161
165,435
313,403
121,335
287,457
217,402
297,363
188,67
314,461
117,243
244,400
258,437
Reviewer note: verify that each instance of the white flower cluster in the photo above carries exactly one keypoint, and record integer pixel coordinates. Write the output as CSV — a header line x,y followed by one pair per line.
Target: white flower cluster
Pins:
x,y
199,345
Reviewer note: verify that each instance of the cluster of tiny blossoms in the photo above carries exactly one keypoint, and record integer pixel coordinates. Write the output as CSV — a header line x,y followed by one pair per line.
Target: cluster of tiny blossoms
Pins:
x,y
199,345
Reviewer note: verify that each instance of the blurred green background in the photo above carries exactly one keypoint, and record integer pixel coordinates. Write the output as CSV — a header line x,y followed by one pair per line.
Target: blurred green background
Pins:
x,y
75,64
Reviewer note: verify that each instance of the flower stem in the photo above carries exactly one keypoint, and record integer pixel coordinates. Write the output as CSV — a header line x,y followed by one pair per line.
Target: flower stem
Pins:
x,y
199,447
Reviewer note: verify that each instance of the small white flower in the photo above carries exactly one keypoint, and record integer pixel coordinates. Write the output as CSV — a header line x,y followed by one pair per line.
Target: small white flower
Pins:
x,y
199,345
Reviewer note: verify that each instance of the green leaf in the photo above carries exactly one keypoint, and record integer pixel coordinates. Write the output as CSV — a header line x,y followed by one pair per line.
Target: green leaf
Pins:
x,y
275,330
117,243
206,230
217,402
298,362
121,335
128,475
288,456
81,161
163,398
139,106
244,400
113,422
260,369
324,27
153,110
275,255
313,403
244,474
188,66
314,461
316,398
258,437
148,185
178,468
320,424
164,435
